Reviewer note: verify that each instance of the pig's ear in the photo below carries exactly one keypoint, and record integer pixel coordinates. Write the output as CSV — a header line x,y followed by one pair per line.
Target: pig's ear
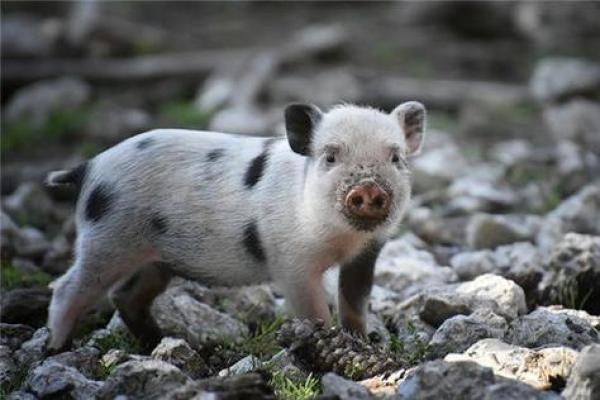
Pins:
x,y
300,123
411,116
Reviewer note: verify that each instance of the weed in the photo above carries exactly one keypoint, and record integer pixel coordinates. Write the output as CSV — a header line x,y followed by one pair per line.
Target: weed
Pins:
x,y
286,389
119,340
13,278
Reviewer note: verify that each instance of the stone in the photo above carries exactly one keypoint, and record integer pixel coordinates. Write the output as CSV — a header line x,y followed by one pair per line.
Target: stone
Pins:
x,y
243,366
180,354
508,297
558,78
113,123
543,369
512,152
574,278
26,306
54,379
245,386
13,335
179,314
577,120
83,359
33,349
439,307
545,326
435,229
484,194
147,379
344,389
21,395
486,231
584,381
25,36
35,102
243,120
433,171
579,213
32,204
8,367
9,231
31,243
520,262
458,333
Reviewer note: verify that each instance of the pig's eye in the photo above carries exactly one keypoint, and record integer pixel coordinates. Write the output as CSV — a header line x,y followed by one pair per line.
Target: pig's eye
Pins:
x,y
330,158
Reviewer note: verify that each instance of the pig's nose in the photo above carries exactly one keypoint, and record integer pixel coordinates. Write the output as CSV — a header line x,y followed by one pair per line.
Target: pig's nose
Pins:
x,y
368,200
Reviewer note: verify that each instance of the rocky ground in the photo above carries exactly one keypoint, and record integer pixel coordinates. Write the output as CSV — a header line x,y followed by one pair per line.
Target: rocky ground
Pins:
x,y
490,289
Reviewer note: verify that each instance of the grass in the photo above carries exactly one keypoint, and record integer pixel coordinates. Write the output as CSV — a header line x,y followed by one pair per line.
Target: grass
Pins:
x,y
287,389
12,278
119,340
421,351
61,124
185,114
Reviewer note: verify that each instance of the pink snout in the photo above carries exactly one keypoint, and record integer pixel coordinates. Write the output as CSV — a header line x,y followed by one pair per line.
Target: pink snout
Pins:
x,y
368,200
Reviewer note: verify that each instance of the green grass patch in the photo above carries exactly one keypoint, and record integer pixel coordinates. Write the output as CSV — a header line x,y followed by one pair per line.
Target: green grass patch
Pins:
x,y
421,349
119,340
185,114
61,124
11,278
287,389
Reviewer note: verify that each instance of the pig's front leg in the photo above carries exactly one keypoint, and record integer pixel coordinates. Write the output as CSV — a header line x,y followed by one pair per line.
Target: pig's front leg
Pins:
x,y
304,294
356,280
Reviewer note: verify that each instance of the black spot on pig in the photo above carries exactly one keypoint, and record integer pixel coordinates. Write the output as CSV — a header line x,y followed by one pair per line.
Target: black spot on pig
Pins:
x,y
145,143
252,242
215,154
255,169
159,224
99,202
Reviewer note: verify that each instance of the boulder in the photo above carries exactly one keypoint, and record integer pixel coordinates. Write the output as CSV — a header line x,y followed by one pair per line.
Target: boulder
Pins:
x,y
344,389
180,354
486,231
52,379
557,78
578,120
584,381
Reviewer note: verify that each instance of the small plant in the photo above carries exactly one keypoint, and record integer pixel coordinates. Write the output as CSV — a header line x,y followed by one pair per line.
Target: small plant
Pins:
x,y
11,278
286,389
421,349
119,340
262,343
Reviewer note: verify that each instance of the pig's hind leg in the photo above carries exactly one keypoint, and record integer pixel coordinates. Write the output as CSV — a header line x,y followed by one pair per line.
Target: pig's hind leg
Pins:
x,y
94,272
133,298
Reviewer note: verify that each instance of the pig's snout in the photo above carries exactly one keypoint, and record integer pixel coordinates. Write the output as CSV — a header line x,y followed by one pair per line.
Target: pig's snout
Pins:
x,y
368,200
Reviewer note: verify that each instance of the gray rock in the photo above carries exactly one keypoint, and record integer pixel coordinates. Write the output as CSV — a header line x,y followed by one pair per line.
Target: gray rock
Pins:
x,y
37,101
181,355
574,278
246,386
8,367
545,326
584,381
250,304
31,242
54,379
31,204
243,366
179,314
112,123
458,333
21,395
25,306
486,231
243,120
482,194
559,78
438,307
538,368
13,335
148,379
520,262
283,362
33,349
435,229
84,359
507,296
508,390
433,171
579,213
577,120
59,256
25,36
511,152
9,231
344,389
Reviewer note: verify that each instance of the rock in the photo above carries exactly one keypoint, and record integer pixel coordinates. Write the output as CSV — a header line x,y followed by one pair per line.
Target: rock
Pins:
x,y
433,171
545,326
13,335
483,195
435,229
84,359
243,120
543,369
54,379
406,270
250,304
21,395
579,213
245,365
384,385
584,381
33,349
9,232
519,262
36,102
8,367
59,256
26,306
31,243
31,204
555,79
574,278
458,333
112,123
147,379
512,152
486,231
246,386
24,36
335,385
438,307
181,355
510,391
577,120
508,297
181,315
283,362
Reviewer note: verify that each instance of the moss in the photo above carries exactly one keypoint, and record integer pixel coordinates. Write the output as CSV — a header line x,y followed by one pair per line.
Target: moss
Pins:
x,y
61,124
185,114
90,149
12,278
287,389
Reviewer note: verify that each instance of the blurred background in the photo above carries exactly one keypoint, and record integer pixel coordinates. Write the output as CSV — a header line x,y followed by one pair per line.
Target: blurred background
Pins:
x,y
512,89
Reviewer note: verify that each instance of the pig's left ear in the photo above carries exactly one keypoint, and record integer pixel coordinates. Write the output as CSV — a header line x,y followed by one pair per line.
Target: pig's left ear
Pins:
x,y
411,116
300,123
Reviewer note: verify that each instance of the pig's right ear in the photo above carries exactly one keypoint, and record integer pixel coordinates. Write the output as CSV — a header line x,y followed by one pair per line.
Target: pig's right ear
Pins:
x,y
300,123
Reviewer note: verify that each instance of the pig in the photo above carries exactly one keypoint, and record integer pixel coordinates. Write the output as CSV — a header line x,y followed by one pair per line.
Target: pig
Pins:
x,y
236,210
